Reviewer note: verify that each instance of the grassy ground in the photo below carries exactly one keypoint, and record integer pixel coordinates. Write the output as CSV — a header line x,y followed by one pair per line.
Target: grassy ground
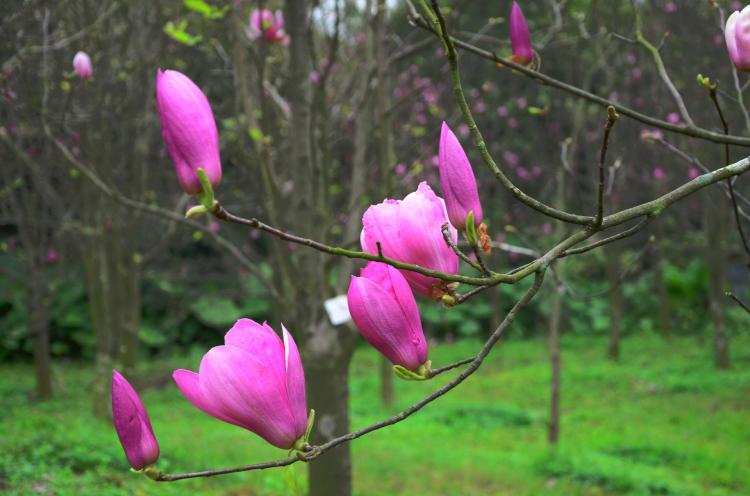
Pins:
x,y
661,422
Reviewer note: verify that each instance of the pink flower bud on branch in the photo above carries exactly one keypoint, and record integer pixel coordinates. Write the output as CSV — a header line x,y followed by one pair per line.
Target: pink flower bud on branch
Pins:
x,y
384,310
189,129
132,424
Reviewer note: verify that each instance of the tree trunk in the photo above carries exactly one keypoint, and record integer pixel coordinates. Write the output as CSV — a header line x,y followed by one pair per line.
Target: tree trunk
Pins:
x,y
386,383
39,329
553,343
665,310
327,357
614,269
716,256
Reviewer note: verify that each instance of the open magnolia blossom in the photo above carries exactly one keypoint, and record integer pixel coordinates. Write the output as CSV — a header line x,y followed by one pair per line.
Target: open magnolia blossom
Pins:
x,y
409,231
132,424
267,26
384,310
255,381
189,129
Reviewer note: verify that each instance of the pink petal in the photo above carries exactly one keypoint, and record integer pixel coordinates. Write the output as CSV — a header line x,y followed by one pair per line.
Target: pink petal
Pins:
x,y
295,382
247,389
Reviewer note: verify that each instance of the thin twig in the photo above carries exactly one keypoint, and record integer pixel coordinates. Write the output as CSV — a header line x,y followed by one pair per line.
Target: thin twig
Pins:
x,y
725,124
448,241
625,234
741,303
661,69
611,119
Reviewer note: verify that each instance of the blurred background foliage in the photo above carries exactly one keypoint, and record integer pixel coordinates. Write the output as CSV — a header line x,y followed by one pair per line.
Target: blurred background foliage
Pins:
x,y
188,289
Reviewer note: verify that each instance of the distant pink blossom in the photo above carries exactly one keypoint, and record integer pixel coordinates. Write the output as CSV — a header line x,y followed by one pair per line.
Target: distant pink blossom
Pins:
x,y
463,130
267,26
693,173
502,111
480,107
659,173
651,135
401,169
511,158
670,8
314,77
53,256
673,118
82,65
521,103
512,123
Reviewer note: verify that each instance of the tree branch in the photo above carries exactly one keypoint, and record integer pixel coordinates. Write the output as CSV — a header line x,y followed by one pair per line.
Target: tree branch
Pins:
x,y
315,451
543,79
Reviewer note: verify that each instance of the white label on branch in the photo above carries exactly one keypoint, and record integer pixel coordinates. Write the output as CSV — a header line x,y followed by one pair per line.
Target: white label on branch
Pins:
x,y
338,310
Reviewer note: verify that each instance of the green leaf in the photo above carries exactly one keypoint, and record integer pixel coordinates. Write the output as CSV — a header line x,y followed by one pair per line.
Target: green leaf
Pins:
x,y
216,311
178,33
206,10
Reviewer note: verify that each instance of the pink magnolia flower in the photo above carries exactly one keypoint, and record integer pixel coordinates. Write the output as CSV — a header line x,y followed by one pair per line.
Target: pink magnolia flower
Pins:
x,y
737,37
409,230
132,424
673,118
457,181
254,381
520,39
189,129
268,26
82,65
652,135
53,256
386,314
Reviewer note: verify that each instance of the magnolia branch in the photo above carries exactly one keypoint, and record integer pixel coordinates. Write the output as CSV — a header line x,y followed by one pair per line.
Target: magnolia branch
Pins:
x,y
546,80
313,452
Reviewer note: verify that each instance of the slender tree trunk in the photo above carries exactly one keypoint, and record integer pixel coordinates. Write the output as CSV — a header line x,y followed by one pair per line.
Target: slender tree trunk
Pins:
x,y
39,329
98,287
553,344
386,383
665,309
716,256
614,269
327,357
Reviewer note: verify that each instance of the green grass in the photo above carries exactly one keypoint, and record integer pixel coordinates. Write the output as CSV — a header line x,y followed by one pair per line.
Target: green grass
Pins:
x,y
660,422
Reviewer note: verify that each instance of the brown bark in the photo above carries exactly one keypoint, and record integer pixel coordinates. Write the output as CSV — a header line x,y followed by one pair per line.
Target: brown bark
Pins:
x,y
39,329
614,269
665,309
386,383
327,358
553,345
716,226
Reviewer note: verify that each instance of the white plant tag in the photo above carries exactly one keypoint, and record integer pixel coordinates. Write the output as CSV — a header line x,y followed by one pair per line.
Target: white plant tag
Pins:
x,y
338,310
